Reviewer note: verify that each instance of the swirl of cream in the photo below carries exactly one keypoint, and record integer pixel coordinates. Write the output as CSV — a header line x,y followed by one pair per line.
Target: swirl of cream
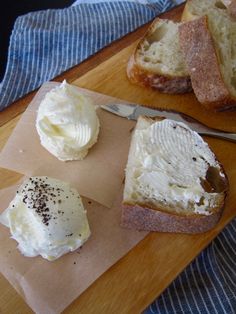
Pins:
x,y
67,123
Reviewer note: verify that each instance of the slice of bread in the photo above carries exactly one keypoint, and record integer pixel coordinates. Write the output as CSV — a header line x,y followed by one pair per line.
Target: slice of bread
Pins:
x,y
195,8
208,46
157,61
173,181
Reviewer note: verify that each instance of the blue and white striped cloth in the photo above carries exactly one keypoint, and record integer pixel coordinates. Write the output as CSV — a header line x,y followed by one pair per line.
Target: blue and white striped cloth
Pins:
x,y
208,284
44,44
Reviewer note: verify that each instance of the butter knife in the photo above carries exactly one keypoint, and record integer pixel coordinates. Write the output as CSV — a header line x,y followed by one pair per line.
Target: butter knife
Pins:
x,y
133,111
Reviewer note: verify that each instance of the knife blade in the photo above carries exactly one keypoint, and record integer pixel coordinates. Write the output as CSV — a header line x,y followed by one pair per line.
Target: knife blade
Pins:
x,y
133,111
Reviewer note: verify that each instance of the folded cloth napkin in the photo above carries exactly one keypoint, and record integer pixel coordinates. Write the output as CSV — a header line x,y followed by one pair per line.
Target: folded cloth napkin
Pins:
x,y
43,44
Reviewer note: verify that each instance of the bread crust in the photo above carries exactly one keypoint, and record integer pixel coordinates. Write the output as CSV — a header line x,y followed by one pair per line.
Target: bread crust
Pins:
x,y
201,58
232,9
162,83
138,217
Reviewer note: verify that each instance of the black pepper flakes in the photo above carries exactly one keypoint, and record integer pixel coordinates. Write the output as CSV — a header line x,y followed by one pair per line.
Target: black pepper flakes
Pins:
x,y
69,235
36,198
39,195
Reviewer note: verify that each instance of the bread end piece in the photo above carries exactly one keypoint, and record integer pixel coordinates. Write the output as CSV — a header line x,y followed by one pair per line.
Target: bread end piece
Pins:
x,y
202,62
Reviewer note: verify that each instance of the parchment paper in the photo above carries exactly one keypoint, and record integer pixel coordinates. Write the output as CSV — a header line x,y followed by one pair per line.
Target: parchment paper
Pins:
x,y
99,176
49,287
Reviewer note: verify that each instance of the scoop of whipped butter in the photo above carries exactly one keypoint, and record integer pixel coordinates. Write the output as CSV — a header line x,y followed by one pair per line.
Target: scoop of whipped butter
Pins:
x,y
46,218
67,123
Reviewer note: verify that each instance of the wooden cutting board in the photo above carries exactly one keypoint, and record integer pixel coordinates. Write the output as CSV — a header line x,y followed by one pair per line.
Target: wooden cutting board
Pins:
x,y
137,279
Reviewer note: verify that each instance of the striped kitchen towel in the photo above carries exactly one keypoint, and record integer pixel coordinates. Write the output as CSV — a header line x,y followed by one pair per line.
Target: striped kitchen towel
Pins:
x,y
207,285
45,43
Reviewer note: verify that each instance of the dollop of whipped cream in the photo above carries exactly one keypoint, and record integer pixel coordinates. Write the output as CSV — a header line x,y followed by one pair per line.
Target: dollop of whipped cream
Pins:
x,y
169,164
46,218
67,123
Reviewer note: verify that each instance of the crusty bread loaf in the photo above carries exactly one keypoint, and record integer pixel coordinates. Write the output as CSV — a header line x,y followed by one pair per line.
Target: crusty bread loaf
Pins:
x,y
157,61
173,181
208,46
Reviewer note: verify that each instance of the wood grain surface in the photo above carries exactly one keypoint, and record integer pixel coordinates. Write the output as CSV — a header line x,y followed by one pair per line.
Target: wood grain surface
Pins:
x,y
137,279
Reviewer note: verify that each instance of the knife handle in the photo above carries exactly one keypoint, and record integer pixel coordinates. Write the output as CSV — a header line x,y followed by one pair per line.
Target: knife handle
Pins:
x,y
224,135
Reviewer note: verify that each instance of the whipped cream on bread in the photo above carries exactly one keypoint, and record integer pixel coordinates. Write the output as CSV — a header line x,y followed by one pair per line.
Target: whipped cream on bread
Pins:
x,y
67,123
169,163
46,218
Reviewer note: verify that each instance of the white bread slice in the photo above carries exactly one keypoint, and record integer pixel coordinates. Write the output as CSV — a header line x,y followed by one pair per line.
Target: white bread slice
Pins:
x,y
208,46
195,8
173,181
157,61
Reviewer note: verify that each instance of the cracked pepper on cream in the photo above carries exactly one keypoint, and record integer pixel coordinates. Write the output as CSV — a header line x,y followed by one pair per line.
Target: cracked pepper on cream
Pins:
x,y
46,218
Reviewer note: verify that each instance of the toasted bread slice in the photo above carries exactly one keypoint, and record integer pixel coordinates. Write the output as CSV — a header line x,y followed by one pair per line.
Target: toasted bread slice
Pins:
x,y
207,42
157,61
173,181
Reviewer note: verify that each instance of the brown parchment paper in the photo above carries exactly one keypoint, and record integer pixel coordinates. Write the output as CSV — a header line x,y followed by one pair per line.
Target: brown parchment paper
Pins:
x,y
49,287
99,176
